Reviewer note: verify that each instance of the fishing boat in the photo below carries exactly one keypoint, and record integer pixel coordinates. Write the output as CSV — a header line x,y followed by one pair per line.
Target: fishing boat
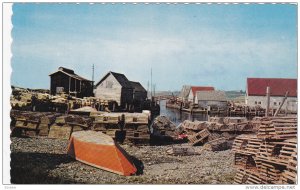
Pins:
x,y
100,150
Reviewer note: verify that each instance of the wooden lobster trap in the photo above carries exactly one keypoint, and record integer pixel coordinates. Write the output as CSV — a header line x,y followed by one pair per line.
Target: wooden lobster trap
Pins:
x,y
278,128
199,137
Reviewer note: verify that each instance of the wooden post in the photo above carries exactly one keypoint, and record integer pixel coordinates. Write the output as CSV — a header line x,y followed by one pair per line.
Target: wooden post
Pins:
x,y
75,89
286,108
80,86
69,84
114,106
278,109
268,101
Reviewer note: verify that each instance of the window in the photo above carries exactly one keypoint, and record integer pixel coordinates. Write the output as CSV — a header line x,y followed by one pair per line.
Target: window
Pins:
x,y
275,103
59,89
255,102
279,103
109,84
259,102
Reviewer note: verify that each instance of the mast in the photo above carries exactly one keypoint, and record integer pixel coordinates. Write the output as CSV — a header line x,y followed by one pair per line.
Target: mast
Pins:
x,y
151,83
93,69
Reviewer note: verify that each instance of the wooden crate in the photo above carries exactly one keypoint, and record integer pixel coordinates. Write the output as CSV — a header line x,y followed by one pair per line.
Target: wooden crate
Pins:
x,y
194,125
269,172
43,129
20,122
278,151
199,137
61,132
277,128
246,144
245,161
289,176
244,176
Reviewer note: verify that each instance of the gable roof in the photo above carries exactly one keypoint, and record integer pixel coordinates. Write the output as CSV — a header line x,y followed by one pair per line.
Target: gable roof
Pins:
x,y
278,86
124,82
185,91
137,86
70,73
211,96
201,88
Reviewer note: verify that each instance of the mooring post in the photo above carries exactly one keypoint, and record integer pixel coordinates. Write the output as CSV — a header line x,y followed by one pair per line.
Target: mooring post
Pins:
x,y
268,101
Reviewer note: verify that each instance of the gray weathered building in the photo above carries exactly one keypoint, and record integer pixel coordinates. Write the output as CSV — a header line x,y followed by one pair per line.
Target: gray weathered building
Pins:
x,y
211,99
115,87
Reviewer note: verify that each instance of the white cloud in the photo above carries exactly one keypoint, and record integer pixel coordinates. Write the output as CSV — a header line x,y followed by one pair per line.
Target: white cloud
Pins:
x,y
203,55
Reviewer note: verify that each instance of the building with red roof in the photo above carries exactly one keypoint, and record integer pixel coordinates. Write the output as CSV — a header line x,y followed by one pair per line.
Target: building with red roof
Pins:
x,y
194,89
189,93
256,92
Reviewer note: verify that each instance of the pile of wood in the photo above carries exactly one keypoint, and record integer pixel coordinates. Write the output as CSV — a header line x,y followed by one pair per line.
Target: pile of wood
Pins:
x,y
270,157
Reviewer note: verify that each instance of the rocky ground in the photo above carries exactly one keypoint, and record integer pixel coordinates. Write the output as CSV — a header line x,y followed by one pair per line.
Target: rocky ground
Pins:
x,y
44,161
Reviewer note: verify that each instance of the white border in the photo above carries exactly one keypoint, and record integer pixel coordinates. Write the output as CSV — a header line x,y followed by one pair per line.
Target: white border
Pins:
x,y
6,90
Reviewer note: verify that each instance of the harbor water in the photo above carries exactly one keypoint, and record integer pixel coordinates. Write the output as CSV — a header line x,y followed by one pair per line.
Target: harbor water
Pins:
x,y
177,117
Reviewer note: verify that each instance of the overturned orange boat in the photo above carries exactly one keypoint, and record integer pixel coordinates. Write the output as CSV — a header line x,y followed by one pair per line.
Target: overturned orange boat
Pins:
x,y
100,150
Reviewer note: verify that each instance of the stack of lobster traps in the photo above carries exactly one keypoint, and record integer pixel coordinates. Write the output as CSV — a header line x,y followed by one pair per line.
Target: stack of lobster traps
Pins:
x,y
31,124
65,125
219,132
129,127
136,128
270,157
164,128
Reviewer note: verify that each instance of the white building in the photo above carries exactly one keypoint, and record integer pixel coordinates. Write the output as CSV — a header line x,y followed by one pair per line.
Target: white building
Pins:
x,y
189,93
256,93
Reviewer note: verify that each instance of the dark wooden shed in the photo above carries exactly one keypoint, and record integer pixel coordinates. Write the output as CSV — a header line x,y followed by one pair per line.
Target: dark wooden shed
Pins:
x,y
66,81
139,92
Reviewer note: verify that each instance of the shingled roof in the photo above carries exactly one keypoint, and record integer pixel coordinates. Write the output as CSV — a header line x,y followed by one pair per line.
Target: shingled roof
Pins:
x,y
124,82
201,88
137,86
211,96
278,86
70,73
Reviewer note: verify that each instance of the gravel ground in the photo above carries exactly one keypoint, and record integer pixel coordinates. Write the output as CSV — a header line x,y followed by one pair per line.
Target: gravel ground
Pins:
x,y
44,161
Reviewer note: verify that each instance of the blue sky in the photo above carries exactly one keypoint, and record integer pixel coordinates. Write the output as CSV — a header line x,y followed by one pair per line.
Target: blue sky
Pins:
x,y
206,45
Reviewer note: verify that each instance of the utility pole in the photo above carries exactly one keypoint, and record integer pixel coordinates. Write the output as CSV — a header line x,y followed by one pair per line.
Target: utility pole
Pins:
x,y
147,89
151,83
93,69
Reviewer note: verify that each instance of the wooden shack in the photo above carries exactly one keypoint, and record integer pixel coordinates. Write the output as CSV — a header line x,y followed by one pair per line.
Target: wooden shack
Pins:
x,y
115,87
66,81
139,92
211,99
